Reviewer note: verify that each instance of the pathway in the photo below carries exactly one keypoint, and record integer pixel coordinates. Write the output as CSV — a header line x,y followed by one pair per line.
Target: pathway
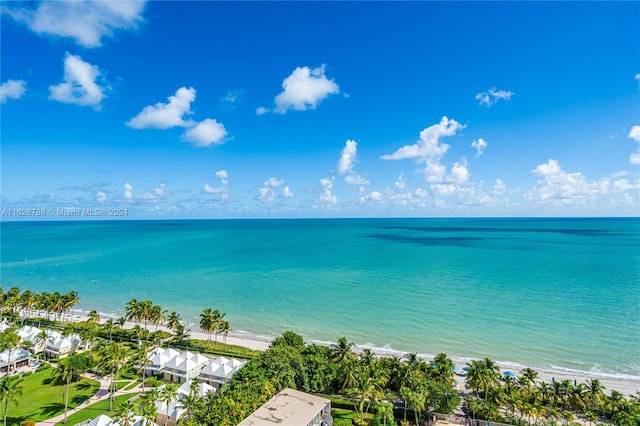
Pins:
x,y
101,394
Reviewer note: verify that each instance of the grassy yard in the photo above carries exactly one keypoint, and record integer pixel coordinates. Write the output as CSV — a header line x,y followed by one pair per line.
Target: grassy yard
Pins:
x,y
94,410
42,399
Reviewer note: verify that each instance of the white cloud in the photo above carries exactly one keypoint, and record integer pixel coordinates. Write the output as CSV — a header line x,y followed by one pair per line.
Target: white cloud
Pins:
x,y
155,193
326,196
347,157
459,172
355,179
634,134
12,89
79,85
127,193
286,192
637,76
479,145
434,171
164,116
303,90
557,187
492,96
428,147
101,197
552,167
206,133
87,22
622,185
222,191
375,196
223,176
443,189
267,192
499,187
400,182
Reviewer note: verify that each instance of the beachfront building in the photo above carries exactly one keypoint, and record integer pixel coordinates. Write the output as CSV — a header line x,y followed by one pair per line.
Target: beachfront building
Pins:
x,y
292,407
34,336
59,346
157,359
11,360
176,410
220,371
184,367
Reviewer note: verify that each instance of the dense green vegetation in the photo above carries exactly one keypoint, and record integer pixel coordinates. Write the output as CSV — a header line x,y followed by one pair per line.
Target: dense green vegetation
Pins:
x,y
523,401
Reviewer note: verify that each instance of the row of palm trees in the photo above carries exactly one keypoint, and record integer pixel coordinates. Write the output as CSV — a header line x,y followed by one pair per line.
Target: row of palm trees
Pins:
x,y
522,400
212,321
14,302
145,311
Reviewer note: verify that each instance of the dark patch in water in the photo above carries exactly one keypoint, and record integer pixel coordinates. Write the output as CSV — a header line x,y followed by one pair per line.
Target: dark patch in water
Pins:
x,y
429,241
582,232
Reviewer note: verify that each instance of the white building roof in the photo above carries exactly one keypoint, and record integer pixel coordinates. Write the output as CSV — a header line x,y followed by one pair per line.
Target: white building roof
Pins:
x,y
288,407
17,354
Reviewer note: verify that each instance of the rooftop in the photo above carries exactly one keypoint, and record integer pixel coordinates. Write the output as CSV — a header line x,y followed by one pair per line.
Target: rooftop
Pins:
x,y
288,408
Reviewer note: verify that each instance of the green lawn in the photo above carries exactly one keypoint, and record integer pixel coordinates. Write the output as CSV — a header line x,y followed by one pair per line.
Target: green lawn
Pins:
x,y
41,399
94,410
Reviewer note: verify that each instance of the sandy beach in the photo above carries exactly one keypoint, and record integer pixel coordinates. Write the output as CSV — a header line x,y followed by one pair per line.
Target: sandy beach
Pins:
x,y
626,385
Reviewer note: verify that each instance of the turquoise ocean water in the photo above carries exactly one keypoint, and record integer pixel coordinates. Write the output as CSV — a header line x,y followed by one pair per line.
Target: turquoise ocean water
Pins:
x,y
546,293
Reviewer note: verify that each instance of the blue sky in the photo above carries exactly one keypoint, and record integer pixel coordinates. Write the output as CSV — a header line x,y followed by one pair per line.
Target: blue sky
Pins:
x,y
331,109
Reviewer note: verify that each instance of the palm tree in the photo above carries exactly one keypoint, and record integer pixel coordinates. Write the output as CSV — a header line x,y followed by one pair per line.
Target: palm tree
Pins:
x,y
156,315
112,357
94,317
67,369
149,409
120,322
168,393
69,301
109,325
595,392
218,319
530,375
341,351
141,359
182,334
207,322
144,311
173,321
10,390
224,329
483,374
28,301
9,340
132,310
442,369
125,412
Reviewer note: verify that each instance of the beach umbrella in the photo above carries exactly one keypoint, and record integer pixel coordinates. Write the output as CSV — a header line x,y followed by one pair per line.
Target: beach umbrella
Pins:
x,y
454,368
508,374
465,368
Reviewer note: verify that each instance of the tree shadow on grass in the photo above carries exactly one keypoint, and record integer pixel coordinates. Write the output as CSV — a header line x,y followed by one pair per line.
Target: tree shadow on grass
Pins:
x,y
53,409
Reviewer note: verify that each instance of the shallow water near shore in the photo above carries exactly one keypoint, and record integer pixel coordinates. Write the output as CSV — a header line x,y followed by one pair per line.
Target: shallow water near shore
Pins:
x,y
547,293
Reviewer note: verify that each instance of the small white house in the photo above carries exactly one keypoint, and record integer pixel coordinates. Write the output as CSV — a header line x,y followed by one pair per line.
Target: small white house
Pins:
x,y
184,367
220,371
176,410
